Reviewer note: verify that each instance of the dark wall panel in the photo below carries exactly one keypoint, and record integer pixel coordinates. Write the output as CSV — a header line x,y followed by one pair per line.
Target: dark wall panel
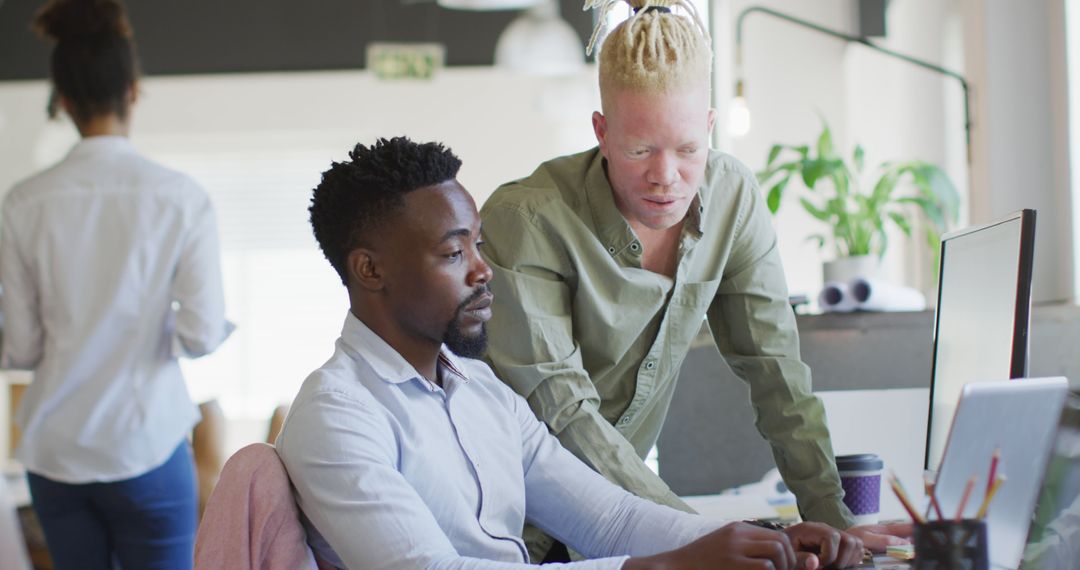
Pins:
x,y
229,36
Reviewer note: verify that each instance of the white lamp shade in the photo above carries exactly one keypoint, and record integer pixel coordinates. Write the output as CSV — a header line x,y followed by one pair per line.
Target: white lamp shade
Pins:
x,y
539,42
487,4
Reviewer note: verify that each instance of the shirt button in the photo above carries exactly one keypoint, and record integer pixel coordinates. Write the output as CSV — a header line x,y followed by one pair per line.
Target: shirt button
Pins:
x,y
611,250
650,365
625,420
635,247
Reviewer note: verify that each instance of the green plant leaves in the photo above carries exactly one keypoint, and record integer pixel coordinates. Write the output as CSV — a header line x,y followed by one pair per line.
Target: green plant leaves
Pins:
x,y
819,213
824,143
816,238
773,153
814,169
884,187
901,222
776,193
859,221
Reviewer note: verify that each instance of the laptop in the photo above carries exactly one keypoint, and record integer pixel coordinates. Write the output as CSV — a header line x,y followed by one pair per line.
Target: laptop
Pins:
x,y
1019,418
1053,541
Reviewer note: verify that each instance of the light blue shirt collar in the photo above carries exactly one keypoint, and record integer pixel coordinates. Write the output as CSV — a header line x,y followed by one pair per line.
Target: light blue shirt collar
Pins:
x,y
388,363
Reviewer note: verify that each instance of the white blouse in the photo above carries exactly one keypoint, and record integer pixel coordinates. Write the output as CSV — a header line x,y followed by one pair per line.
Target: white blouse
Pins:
x,y
110,269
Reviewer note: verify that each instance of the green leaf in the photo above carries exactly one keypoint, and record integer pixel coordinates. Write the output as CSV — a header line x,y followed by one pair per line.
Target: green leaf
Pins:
x,y
942,188
901,222
928,207
884,187
766,174
776,193
934,185
933,240
824,144
858,158
802,149
818,238
840,177
814,210
883,243
812,170
773,153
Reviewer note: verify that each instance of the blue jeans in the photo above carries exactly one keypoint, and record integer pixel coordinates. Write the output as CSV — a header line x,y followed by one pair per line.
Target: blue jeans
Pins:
x,y
147,521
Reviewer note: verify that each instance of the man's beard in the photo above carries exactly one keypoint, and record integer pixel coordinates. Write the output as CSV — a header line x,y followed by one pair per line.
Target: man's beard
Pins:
x,y
457,341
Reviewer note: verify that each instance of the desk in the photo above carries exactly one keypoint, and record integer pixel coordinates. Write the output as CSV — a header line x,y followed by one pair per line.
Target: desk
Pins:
x,y
732,507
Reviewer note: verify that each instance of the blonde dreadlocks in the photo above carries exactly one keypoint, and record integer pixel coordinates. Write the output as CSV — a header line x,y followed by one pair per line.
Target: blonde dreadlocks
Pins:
x,y
654,50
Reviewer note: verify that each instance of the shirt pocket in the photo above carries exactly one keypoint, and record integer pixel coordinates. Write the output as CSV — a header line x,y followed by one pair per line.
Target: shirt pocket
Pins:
x,y
686,313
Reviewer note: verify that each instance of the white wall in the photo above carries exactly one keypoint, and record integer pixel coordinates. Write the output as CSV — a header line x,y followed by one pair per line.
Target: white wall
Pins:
x,y
895,110
1016,62
791,76
501,125
900,111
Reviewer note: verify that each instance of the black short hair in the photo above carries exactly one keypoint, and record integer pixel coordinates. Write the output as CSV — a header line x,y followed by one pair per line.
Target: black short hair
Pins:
x,y
356,196
93,64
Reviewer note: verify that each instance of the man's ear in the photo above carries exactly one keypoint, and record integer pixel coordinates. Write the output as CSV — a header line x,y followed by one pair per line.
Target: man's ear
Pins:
x,y
364,269
599,125
67,106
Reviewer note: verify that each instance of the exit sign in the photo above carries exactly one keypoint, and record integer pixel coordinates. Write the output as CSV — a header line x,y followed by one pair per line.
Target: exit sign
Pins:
x,y
405,60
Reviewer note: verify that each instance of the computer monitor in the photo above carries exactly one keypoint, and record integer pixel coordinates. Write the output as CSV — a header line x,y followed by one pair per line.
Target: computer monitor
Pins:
x,y
982,317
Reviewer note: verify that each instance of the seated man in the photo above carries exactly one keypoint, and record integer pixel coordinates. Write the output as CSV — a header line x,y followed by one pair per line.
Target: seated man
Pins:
x,y
407,453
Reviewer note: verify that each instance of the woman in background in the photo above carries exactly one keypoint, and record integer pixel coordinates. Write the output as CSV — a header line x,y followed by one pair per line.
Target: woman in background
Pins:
x,y
110,270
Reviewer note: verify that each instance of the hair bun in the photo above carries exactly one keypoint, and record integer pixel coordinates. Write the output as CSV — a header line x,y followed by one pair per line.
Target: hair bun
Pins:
x,y
63,20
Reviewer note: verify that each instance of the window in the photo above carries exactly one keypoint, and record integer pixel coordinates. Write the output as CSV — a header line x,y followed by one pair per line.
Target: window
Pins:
x,y
288,302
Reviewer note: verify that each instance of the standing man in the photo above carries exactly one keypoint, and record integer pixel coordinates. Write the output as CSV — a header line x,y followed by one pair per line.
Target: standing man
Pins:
x,y
607,262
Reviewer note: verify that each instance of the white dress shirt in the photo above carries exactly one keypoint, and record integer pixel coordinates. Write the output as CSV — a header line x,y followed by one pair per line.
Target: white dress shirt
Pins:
x,y
110,269
392,471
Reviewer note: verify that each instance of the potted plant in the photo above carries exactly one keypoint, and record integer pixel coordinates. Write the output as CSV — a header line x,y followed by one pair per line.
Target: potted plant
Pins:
x,y
857,219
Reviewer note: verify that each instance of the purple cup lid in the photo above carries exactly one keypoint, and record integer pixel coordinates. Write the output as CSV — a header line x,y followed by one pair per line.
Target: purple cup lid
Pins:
x,y
859,462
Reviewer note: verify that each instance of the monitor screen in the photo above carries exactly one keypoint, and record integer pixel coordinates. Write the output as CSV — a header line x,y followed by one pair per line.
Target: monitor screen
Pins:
x,y
981,322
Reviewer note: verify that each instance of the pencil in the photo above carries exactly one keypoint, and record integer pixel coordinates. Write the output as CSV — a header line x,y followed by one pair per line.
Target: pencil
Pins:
x,y
964,499
994,460
933,500
985,506
928,487
904,501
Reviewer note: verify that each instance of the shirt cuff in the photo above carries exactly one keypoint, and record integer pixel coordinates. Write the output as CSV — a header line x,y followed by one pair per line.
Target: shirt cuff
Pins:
x,y
179,350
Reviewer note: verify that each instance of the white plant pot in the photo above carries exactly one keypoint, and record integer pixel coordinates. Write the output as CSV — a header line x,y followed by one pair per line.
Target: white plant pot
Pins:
x,y
845,269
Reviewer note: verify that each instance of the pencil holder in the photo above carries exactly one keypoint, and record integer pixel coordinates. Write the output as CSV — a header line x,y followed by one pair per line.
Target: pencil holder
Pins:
x,y
951,545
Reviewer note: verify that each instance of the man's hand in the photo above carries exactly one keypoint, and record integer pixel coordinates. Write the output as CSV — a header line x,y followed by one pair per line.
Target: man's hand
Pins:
x,y
877,537
832,547
737,546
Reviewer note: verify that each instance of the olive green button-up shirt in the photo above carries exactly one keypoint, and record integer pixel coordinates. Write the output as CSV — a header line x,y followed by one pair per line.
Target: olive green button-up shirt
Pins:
x,y
595,342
